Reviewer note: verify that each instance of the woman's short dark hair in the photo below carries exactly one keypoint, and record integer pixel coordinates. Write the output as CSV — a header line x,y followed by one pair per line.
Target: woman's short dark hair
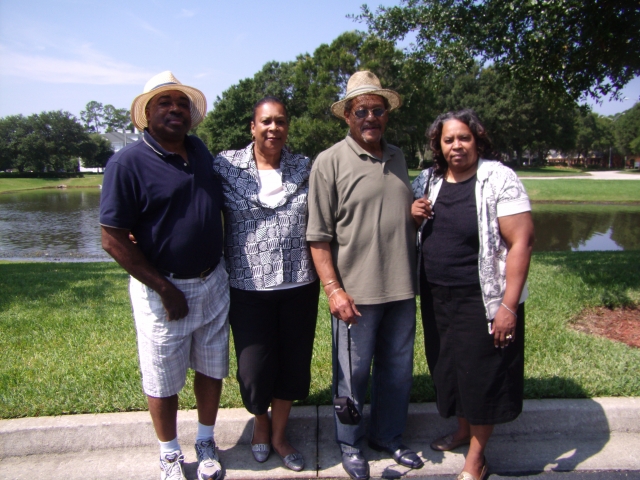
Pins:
x,y
471,120
269,99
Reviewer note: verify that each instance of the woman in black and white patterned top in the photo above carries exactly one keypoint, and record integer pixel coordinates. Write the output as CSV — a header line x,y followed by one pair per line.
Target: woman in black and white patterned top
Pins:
x,y
274,286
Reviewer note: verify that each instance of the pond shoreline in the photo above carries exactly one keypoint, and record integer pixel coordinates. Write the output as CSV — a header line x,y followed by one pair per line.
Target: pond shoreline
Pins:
x,y
57,187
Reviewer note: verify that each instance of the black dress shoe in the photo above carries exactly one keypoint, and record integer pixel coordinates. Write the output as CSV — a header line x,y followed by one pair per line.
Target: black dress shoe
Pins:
x,y
403,455
355,465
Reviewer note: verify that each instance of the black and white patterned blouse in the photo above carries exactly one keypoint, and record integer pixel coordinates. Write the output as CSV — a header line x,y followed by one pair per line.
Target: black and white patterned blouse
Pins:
x,y
264,246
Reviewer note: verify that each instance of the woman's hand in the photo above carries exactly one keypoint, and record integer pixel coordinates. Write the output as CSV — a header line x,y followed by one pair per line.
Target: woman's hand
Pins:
x,y
421,210
342,306
504,327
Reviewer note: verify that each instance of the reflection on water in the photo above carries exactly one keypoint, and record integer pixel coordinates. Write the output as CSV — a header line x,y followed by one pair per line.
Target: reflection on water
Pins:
x,y
51,224
63,224
586,227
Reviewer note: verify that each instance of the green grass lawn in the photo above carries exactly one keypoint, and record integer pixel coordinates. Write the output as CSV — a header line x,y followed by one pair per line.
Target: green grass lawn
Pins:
x,y
16,184
577,190
69,343
550,172
584,191
532,172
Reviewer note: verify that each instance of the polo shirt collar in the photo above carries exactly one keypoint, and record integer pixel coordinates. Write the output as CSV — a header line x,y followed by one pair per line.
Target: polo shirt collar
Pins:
x,y
157,148
387,153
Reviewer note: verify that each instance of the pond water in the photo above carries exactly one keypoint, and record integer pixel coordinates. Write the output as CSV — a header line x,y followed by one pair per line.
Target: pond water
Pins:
x,y
51,225
586,227
63,225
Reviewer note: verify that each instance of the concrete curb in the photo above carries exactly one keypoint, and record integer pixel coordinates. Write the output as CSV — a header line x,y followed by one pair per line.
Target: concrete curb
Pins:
x,y
308,424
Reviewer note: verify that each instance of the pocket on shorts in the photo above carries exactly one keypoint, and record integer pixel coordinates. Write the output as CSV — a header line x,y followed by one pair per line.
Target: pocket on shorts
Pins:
x,y
145,300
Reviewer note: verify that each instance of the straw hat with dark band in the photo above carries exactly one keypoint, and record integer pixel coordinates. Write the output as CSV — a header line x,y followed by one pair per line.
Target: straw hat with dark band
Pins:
x,y
163,82
365,83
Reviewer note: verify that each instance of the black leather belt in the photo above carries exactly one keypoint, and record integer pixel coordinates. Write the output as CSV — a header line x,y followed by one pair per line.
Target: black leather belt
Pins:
x,y
202,274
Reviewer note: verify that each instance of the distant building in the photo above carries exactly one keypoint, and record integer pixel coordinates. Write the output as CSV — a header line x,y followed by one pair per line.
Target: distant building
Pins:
x,y
117,139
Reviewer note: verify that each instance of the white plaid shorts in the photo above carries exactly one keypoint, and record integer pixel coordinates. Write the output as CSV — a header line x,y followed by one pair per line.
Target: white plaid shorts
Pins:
x,y
167,349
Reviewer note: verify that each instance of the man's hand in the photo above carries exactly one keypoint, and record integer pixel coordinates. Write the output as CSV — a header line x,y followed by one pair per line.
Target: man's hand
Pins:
x,y
174,303
118,243
341,304
421,210
343,307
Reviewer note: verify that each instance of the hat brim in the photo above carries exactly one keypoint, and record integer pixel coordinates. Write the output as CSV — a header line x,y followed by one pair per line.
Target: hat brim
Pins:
x,y
197,98
393,97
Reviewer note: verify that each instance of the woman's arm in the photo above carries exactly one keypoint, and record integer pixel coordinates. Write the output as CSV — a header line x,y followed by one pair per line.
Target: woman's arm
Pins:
x,y
517,232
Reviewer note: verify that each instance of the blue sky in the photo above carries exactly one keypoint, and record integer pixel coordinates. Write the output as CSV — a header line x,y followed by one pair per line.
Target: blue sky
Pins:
x,y
60,54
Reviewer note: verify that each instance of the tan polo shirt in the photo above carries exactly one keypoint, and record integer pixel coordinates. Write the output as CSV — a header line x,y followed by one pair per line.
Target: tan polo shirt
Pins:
x,y
361,205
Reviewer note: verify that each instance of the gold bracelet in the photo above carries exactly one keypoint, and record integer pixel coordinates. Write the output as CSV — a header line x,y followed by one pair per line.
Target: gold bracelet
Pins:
x,y
327,284
332,293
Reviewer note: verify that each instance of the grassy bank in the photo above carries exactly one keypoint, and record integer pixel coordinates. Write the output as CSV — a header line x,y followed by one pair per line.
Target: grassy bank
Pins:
x,y
17,184
550,172
583,191
577,190
533,172
69,343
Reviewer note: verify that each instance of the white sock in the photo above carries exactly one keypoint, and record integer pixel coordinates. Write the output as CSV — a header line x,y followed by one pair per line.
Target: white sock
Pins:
x,y
205,432
169,447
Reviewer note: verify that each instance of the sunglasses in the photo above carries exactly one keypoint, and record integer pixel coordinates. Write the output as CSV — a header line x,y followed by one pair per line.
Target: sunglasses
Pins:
x,y
364,113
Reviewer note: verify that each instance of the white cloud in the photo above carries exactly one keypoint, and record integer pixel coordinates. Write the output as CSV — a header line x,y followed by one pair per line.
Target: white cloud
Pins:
x,y
184,13
146,26
86,66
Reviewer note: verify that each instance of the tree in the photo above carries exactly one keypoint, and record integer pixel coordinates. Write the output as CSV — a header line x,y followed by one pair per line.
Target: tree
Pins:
x,y
593,133
116,119
573,47
46,141
10,133
311,84
92,116
516,120
626,127
97,152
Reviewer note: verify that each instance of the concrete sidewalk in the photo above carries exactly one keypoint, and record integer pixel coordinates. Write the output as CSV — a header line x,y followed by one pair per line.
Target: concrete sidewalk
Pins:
x,y
601,434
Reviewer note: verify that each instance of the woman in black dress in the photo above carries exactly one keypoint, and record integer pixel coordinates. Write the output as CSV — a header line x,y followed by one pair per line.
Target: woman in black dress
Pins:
x,y
475,254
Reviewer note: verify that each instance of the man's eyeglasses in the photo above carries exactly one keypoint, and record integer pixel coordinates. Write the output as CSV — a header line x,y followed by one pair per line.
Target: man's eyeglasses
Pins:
x,y
364,113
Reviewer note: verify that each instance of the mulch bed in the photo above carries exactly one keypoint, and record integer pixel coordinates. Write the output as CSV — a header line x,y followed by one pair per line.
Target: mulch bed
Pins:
x,y
621,324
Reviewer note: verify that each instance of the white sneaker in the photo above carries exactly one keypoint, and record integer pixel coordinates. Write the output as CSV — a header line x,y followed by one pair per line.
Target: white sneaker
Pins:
x,y
171,466
209,467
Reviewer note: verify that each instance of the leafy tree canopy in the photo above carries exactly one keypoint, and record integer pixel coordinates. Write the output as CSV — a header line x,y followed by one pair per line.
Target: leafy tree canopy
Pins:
x,y
92,116
49,141
309,86
626,127
116,119
574,47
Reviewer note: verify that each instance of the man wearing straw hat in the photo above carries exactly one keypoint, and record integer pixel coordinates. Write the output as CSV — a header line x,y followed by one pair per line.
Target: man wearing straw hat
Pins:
x,y
363,245
161,191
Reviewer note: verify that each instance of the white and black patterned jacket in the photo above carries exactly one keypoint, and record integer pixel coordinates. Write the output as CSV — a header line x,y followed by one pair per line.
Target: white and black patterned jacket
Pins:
x,y
264,246
499,192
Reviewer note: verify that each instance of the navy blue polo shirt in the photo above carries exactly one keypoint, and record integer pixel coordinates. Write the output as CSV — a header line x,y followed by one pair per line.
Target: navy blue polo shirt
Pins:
x,y
171,207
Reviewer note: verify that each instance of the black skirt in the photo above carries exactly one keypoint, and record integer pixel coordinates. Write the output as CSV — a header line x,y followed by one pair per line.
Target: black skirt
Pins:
x,y
473,379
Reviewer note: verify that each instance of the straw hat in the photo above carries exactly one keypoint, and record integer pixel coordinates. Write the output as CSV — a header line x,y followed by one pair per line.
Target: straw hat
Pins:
x,y
163,82
365,83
